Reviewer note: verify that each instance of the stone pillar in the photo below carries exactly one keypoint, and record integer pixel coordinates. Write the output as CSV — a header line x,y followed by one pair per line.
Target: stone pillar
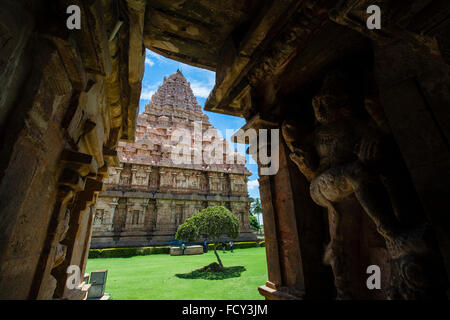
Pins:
x,y
295,236
149,216
120,216
80,224
415,96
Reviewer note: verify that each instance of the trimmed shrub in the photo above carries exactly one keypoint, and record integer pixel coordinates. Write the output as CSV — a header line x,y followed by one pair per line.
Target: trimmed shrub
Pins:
x,y
94,253
119,252
130,252
127,252
156,250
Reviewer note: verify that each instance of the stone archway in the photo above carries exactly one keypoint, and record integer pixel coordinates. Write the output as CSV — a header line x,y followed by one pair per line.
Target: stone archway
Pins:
x,y
68,97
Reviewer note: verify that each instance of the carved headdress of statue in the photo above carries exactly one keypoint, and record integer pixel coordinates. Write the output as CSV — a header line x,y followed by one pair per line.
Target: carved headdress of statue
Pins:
x,y
332,102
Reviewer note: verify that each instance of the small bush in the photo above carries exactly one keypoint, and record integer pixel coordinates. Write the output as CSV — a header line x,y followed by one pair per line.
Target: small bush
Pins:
x,y
156,250
119,252
126,252
94,253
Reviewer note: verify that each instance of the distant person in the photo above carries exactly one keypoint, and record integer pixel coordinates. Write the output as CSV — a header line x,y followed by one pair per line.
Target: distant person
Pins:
x,y
231,246
224,246
182,248
205,246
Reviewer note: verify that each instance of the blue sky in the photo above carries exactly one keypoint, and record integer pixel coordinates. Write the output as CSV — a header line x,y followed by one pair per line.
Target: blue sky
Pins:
x,y
202,81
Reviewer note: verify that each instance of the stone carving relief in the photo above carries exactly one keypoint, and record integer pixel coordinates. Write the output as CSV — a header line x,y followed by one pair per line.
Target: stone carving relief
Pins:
x,y
165,178
180,179
193,180
120,215
104,214
150,216
60,251
203,182
135,217
113,175
214,182
347,154
163,212
238,184
98,218
136,213
125,176
242,211
140,175
179,214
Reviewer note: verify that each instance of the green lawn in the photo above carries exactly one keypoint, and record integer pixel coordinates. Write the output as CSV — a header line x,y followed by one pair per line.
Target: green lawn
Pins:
x,y
154,276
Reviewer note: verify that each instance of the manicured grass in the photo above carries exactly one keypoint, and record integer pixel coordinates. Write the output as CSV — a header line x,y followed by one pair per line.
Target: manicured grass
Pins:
x,y
154,277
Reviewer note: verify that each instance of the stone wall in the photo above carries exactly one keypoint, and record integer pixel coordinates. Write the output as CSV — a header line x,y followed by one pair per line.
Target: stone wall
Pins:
x,y
65,103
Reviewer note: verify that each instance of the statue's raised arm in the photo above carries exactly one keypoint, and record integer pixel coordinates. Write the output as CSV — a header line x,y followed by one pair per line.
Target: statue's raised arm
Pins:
x,y
302,149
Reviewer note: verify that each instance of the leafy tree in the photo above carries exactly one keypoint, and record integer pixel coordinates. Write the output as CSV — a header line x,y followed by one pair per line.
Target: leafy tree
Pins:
x,y
255,211
212,222
255,207
254,224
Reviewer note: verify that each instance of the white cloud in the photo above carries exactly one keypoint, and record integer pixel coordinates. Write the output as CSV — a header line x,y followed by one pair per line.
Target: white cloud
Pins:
x,y
147,94
202,89
252,184
149,61
149,90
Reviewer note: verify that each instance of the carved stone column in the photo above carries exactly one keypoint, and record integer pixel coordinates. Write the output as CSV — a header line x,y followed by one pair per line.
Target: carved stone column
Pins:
x,y
294,233
77,239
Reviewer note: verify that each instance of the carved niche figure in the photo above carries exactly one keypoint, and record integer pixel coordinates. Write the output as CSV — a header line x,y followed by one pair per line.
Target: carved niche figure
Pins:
x,y
348,155
113,175
61,249
163,214
214,182
120,213
98,218
166,178
125,176
239,184
193,180
135,217
150,216
178,215
203,182
140,176
180,180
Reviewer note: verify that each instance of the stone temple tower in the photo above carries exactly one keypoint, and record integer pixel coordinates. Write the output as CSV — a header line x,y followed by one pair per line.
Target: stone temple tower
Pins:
x,y
177,166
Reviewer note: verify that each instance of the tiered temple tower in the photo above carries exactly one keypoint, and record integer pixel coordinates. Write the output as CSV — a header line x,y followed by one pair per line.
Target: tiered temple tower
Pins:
x,y
157,187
